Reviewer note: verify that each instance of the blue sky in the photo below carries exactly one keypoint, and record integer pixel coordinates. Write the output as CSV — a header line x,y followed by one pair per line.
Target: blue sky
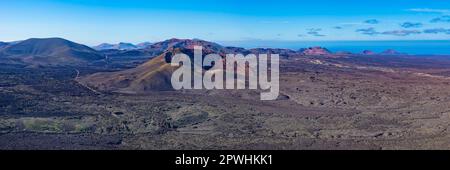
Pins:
x,y
93,22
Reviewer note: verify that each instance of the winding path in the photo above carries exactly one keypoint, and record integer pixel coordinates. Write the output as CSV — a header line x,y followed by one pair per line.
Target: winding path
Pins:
x,y
85,86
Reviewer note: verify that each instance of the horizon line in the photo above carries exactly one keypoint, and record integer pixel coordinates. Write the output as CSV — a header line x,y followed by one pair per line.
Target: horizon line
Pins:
x,y
219,41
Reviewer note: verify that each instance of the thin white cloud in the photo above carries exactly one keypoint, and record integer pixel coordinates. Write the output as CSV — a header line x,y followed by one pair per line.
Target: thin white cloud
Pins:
x,y
372,32
445,18
401,32
274,22
430,10
353,24
437,31
315,32
372,21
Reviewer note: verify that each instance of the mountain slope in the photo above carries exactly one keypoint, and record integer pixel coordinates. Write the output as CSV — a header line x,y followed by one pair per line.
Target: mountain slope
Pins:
x,y
49,51
2,44
153,75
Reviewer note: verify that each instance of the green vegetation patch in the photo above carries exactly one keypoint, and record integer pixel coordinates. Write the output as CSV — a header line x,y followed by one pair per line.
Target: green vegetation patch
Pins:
x,y
54,125
42,125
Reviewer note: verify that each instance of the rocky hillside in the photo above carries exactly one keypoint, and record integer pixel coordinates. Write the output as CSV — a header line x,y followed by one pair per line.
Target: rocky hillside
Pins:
x,y
49,51
315,51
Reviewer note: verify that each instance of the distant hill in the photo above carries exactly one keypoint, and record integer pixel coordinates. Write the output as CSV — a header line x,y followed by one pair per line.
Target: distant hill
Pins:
x,y
186,43
57,51
49,51
104,46
391,52
211,47
143,45
284,53
120,46
160,47
368,52
315,51
3,44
